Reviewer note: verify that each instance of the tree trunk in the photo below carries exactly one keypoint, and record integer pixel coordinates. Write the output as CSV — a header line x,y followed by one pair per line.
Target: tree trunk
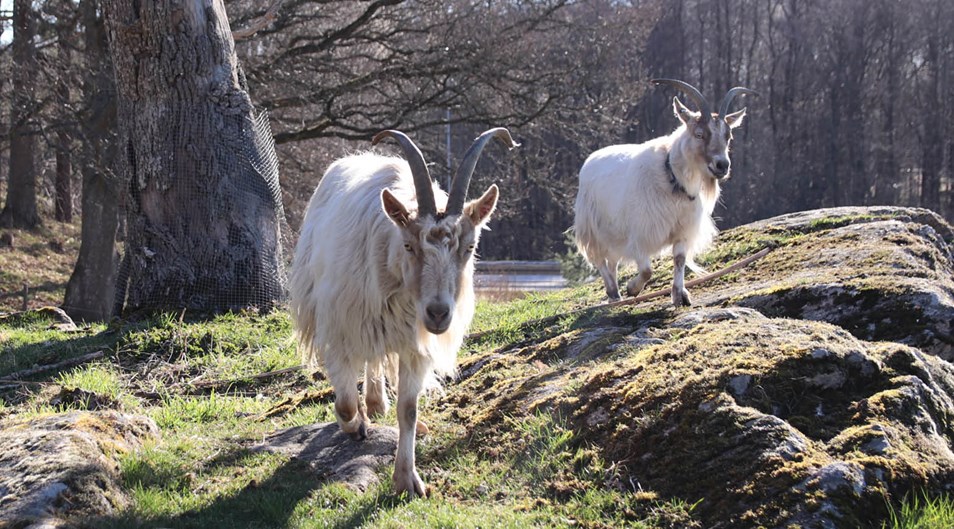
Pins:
x,y
89,293
63,209
203,204
64,178
20,209
931,146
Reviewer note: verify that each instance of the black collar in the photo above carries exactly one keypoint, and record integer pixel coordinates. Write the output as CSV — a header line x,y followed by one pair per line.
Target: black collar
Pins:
x,y
676,186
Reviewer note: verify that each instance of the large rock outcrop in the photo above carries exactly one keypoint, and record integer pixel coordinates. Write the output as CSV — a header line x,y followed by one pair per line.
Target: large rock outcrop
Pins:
x,y
809,389
59,470
881,273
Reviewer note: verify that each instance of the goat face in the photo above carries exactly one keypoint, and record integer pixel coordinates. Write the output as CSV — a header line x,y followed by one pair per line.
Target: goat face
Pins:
x,y
710,139
438,249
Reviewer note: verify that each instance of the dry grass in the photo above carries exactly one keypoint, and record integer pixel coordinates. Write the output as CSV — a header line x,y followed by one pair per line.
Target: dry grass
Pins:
x,y
42,260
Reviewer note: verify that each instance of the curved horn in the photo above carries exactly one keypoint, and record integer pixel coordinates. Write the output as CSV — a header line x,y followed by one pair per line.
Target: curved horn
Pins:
x,y
458,194
693,94
729,96
422,178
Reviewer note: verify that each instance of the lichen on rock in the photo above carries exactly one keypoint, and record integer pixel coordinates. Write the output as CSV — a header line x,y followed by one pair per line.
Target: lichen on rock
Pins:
x,y
810,389
58,469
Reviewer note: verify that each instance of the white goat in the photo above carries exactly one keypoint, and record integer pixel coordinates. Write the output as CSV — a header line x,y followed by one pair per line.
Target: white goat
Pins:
x,y
383,275
635,201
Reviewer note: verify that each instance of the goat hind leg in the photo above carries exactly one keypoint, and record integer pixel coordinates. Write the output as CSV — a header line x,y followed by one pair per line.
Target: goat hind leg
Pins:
x,y
643,275
608,273
375,394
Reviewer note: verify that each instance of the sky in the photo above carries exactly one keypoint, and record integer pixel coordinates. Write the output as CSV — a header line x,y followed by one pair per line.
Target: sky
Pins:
x,y
7,34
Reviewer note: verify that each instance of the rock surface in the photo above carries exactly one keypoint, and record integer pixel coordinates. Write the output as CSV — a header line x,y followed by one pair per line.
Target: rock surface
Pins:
x,y
335,456
881,273
59,469
805,391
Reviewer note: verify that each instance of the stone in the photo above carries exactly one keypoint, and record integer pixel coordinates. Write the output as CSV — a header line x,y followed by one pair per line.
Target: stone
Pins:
x,y
333,455
60,469
802,390
884,273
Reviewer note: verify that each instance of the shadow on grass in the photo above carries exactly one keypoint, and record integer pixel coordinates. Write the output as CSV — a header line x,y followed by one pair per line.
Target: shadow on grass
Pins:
x,y
269,503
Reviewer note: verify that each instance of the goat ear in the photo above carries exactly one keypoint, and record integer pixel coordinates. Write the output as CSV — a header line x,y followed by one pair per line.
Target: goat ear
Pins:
x,y
681,111
734,119
479,210
395,209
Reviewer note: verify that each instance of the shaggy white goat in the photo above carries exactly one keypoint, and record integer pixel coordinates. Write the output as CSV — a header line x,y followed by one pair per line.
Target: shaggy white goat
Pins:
x,y
635,201
382,280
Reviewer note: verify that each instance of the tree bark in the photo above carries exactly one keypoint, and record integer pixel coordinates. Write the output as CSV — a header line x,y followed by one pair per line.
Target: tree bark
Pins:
x,y
63,184
931,146
203,202
20,209
89,293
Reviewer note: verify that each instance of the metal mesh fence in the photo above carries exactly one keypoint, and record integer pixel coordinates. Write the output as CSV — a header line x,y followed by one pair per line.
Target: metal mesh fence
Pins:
x,y
224,240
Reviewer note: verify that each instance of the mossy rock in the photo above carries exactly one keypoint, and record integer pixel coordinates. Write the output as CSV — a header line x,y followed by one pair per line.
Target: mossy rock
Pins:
x,y
883,273
811,389
61,470
762,421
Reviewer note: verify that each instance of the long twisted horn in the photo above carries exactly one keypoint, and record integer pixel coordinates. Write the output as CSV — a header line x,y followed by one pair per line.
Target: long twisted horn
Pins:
x,y
693,94
729,96
458,194
422,178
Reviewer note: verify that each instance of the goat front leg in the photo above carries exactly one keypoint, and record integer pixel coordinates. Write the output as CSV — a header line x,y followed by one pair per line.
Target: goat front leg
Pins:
x,y
680,296
406,478
348,410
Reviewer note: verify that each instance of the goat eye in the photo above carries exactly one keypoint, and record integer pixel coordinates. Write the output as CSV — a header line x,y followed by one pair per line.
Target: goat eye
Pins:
x,y
470,248
408,247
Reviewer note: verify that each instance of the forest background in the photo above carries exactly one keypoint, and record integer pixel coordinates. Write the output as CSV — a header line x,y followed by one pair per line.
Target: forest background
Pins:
x,y
855,106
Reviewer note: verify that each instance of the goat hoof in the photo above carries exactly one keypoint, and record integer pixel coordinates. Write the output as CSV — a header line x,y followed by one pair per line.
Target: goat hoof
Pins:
x,y
681,299
361,433
421,429
409,483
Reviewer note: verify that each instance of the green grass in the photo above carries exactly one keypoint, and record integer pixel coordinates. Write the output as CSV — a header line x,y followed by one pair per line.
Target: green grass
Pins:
x,y
102,379
922,511
33,343
201,473
533,470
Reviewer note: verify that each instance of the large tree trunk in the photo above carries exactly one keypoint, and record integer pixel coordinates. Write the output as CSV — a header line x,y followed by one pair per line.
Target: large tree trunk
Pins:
x,y
20,208
204,206
90,291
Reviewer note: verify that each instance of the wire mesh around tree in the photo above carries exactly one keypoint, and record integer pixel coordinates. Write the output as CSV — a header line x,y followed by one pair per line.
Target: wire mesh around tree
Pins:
x,y
216,240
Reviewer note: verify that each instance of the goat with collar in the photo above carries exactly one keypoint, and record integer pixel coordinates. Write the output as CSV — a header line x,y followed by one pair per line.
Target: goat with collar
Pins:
x,y
637,201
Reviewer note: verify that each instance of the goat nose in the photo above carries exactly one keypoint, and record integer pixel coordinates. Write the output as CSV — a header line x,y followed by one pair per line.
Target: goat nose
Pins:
x,y
438,312
722,166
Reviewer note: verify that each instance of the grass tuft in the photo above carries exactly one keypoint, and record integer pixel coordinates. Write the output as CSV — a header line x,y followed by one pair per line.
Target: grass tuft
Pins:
x,y
922,511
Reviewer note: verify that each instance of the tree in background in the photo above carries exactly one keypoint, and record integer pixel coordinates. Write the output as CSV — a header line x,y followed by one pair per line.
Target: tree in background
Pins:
x,y
204,211
20,209
64,15
559,74
853,111
90,293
